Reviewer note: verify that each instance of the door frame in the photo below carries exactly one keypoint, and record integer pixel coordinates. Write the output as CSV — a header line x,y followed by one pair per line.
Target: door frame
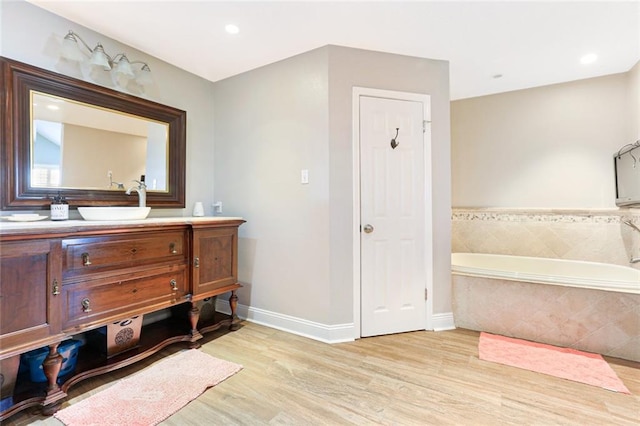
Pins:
x,y
357,92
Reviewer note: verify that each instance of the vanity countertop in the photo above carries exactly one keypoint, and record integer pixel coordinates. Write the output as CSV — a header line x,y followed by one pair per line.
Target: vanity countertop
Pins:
x,y
67,226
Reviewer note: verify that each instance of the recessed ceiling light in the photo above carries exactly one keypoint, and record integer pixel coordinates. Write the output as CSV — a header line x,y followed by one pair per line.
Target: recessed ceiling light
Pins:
x,y
589,58
232,29
496,76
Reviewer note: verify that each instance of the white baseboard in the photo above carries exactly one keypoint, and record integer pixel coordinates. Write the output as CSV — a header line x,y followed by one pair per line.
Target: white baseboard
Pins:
x,y
442,322
325,333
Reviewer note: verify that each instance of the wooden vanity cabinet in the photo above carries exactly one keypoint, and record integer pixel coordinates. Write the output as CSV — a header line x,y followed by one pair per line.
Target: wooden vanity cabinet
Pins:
x,y
215,264
214,270
75,278
30,295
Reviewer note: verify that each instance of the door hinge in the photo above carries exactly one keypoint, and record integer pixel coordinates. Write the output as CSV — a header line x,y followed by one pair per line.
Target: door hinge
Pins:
x,y
424,125
426,294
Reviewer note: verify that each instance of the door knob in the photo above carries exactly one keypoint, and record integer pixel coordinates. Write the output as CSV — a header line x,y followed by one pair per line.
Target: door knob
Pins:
x,y
368,229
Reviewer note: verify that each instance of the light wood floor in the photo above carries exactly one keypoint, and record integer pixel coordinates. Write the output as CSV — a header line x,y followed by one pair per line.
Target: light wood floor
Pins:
x,y
419,378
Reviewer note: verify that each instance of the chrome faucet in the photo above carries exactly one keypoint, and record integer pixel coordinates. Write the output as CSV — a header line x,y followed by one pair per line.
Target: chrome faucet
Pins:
x,y
141,189
113,183
632,225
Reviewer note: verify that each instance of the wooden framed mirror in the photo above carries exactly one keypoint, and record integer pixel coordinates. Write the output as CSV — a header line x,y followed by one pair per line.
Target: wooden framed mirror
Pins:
x,y
86,142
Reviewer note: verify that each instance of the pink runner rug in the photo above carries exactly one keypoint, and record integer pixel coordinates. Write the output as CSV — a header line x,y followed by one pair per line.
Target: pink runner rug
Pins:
x,y
565,363
153,394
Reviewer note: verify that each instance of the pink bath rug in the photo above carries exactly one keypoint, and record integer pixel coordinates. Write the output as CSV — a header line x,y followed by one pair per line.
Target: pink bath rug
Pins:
x,y
153,394
565,363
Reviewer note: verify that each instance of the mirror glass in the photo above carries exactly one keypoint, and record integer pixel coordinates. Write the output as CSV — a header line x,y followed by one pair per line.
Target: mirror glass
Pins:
x,y
80,146
61,135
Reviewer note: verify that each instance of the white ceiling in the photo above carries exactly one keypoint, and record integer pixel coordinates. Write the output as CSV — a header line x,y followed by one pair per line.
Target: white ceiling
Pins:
x,y
529,43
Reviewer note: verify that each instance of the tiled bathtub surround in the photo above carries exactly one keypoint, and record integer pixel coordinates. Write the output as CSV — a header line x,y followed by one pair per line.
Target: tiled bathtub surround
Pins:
x,y
604,322
597,236
591,320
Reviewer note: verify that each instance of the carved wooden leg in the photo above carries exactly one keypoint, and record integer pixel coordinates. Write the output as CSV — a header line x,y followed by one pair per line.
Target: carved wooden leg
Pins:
x,y
194,316
50,410
233,304
51,367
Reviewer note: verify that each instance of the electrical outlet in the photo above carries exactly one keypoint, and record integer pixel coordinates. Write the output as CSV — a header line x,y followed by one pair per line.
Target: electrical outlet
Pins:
x,y
217,207
304,176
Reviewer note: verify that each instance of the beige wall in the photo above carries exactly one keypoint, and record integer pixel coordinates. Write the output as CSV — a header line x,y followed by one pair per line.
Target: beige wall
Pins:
x,y
633,94
271,123
89,154
32,35
546,147
296,248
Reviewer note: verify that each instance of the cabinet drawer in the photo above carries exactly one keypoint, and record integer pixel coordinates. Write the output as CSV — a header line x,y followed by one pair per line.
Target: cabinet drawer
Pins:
x,y
99,299
93,254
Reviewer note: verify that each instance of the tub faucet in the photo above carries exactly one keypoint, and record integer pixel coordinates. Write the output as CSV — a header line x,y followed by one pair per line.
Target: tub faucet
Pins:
x,y
141,189
631,225
635,260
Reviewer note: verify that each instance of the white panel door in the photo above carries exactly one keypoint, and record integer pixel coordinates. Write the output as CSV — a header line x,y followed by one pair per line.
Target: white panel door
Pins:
x,y
392,214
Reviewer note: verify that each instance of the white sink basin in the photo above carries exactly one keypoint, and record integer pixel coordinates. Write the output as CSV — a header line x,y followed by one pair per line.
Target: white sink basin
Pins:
x,y
114,213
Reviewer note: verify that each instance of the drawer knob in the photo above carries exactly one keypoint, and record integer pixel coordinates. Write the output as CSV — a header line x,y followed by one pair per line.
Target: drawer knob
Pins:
x,y
56,287
86,305
174,285
85,259
172,248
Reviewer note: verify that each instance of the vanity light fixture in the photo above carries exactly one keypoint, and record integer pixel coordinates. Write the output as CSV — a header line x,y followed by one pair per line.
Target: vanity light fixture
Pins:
x,y
119,63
